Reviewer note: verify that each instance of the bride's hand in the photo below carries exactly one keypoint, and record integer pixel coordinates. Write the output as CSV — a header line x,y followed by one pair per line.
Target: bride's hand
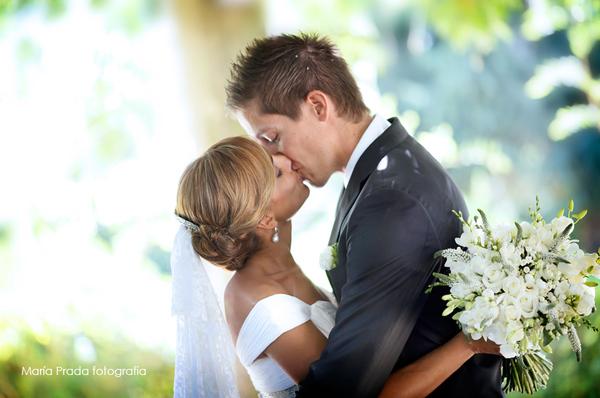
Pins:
x,y
483,347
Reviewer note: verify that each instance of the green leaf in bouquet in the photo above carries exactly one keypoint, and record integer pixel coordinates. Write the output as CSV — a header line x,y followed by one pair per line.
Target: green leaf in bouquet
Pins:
x,y
519,234
448,311
571,205
589,270
591,283
547,348
579,216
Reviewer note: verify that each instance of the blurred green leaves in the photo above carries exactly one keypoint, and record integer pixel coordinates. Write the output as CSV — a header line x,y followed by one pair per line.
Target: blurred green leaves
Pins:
x,y
46,347
581,21
471,23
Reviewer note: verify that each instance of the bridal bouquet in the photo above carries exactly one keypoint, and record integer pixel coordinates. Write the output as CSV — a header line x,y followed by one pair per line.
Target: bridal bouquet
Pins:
x,y
521,285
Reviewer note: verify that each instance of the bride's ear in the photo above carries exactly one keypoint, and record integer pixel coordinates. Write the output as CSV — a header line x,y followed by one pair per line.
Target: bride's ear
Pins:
x,y
268,222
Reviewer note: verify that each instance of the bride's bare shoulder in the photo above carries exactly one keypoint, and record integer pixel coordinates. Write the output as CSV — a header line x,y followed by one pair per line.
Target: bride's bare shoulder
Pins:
x,y
242,293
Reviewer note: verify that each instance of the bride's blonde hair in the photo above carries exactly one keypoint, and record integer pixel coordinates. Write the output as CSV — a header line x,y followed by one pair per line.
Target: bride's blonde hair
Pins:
x,y
226,193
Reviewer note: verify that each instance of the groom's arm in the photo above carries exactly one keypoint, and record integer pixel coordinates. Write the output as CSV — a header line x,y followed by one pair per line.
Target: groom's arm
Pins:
x,y
390,244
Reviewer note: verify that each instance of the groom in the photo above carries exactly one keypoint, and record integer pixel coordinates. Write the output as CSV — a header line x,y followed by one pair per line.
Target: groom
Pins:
x,y
298,97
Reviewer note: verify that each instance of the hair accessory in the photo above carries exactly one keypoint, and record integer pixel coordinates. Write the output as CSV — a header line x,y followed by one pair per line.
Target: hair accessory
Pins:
x,y
187,223
276,236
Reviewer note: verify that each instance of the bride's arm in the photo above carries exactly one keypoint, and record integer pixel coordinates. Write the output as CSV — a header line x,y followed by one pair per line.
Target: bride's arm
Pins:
x,y
424,375
296,349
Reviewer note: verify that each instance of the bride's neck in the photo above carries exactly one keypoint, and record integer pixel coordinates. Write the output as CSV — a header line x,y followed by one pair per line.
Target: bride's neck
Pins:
x,y
273,257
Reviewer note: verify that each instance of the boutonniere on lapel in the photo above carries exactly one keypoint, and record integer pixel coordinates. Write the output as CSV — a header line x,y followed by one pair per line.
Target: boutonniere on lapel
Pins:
x,y
329,259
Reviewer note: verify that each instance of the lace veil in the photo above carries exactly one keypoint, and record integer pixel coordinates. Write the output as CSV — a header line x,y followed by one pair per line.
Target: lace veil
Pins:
x,y
205,356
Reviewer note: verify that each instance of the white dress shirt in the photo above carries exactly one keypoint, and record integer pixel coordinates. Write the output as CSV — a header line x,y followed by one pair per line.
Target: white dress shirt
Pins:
x,y
375,129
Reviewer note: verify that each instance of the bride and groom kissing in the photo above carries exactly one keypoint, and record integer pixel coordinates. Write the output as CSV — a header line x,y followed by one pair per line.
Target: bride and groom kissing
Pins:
x,y
383,335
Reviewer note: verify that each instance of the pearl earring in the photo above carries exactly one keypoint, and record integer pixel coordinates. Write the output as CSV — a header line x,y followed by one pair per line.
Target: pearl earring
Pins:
x,y
276,236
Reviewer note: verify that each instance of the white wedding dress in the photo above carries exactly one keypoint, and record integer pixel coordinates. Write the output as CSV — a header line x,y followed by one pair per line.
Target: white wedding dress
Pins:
x,y
269,319
204,351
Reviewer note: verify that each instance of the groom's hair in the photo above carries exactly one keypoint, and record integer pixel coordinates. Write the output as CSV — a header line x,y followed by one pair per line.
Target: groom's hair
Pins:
x,y
278,72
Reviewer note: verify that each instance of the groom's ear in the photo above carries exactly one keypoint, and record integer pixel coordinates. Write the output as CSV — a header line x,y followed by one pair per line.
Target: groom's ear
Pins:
x,y
320,104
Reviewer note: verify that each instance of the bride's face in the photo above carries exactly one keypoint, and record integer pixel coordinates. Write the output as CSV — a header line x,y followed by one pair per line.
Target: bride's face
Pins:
x,y
289,193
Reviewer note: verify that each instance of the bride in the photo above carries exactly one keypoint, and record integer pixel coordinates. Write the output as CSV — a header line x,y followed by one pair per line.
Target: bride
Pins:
x,y
235,203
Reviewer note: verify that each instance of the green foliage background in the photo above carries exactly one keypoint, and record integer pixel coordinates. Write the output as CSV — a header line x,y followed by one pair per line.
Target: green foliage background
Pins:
x,y
505,93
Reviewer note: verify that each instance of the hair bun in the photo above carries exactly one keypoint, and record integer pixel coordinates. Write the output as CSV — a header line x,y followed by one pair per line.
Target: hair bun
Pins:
x,y
226,193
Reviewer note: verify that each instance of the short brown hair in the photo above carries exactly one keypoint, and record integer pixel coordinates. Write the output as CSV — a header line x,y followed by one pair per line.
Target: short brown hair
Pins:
x,y
279,72
226,193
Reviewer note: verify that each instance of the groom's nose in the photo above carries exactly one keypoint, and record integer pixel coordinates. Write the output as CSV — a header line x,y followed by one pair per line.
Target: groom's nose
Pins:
x,y
285,162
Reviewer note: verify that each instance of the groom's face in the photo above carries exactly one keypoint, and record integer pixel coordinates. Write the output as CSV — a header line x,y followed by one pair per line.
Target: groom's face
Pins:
x,y
306,142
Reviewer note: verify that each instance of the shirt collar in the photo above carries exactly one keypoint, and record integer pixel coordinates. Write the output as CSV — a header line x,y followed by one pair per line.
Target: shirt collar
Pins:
x,y
375,129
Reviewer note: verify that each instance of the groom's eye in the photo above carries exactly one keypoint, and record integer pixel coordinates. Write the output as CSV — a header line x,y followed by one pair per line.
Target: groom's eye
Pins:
x,y
273,140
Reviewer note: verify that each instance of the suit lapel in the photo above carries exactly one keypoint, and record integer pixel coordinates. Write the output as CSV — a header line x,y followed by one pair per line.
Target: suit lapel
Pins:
x,y
369,160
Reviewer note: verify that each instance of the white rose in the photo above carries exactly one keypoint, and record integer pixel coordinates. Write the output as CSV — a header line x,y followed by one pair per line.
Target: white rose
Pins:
x,y
326,258
494,276
529,304
531,285
512,285
550,272
510,311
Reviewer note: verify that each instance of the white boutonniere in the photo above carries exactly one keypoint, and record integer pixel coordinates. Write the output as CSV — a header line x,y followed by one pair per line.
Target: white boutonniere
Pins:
x,y
328,259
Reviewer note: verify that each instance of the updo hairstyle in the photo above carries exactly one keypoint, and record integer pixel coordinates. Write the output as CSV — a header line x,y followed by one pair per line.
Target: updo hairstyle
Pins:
x,y
226,193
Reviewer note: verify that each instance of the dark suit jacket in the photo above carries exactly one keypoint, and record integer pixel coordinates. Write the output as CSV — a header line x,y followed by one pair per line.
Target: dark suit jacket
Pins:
x,y
394,215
